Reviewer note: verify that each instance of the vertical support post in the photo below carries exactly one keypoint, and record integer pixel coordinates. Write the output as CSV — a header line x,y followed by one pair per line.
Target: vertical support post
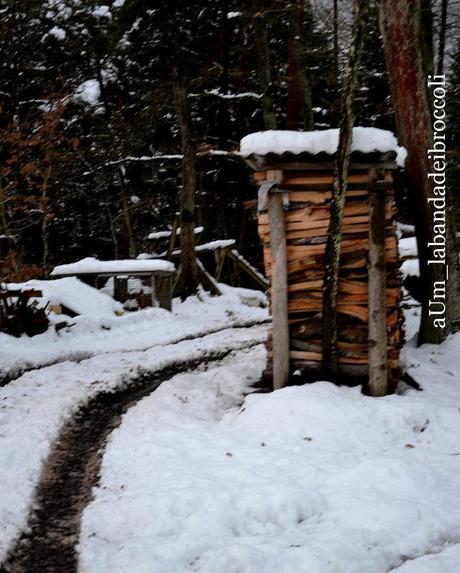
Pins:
x,y
172,238
120,288
163,291
377,322
279,287
152,285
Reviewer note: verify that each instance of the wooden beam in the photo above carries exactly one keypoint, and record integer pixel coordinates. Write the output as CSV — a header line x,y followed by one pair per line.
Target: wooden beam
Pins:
x,y
244,265
279,285
377,318
206,278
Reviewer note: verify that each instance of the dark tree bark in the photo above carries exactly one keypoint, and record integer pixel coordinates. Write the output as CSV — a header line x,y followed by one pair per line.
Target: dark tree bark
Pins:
x,y
330,362
334,111
336,42
189,271
399,23
426,36
299,106
46,216
113,230
442,37
130,249
263,63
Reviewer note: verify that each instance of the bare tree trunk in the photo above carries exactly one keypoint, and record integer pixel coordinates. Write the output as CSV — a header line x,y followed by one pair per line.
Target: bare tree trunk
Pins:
x,y
336,44
44,226
113,231
263,63
189,271
426,35
330,361
335,107
131,244
299,106
442,37
399,23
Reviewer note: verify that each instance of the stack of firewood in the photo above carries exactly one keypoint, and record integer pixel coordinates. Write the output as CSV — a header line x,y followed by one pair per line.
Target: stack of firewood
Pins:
x,y
307,223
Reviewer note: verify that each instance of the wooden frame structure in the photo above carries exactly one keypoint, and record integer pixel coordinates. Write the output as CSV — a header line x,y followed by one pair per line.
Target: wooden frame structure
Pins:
x,y
294,198
159,281
224,252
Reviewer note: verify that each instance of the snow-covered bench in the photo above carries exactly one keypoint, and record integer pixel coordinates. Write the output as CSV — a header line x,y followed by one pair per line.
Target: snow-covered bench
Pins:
x,y
159,273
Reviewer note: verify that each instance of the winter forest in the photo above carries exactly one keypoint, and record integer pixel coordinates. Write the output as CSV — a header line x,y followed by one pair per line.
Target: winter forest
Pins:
x,y
229,286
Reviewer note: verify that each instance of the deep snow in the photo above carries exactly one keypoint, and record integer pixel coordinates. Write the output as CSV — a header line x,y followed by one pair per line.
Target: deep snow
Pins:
x,y
314,479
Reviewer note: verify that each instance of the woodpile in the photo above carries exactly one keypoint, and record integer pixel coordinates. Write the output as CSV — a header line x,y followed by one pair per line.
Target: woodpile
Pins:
x,y
306,227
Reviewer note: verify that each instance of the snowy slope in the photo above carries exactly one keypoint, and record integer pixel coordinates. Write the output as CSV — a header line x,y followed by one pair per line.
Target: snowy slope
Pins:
x,y
315,479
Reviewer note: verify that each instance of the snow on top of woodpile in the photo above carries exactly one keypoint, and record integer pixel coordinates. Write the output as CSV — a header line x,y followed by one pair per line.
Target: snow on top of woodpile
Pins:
x,y
365,140
91,265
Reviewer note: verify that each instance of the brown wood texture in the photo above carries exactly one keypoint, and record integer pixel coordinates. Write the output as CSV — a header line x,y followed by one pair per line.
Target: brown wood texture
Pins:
x,y
306,228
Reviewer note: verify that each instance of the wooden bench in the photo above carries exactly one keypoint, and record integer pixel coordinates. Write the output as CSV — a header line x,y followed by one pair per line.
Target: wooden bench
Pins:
x,y
158,276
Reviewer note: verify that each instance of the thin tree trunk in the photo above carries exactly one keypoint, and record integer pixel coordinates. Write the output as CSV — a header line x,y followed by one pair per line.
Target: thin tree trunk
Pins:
x,y
3,216
330,361
113,231
426,34
126,216
442,37
299,106
263,63
189,270
336,45
44,229
335,107
399,23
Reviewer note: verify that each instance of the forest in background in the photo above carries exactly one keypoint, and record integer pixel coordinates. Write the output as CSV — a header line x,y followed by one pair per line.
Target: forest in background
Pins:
x,y
90,136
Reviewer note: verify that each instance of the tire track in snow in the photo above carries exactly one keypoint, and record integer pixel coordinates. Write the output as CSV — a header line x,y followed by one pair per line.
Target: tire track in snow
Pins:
x,y
72,469
434,553
79,356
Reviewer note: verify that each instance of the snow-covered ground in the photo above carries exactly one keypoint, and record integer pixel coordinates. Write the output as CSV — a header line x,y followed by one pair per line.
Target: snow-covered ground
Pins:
x,y
94,333
35,406
204,475
314,479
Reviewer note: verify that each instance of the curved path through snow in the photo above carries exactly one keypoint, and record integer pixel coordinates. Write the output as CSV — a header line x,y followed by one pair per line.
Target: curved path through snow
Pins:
x,y
58,418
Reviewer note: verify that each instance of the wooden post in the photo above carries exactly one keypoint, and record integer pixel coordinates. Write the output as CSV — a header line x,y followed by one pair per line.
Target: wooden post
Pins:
x,y
378,364
152,286
163,291
219,255
120,288
172,237
279,288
